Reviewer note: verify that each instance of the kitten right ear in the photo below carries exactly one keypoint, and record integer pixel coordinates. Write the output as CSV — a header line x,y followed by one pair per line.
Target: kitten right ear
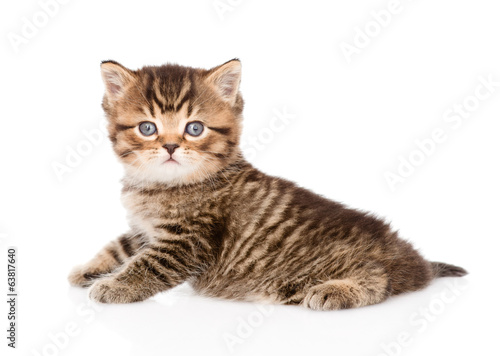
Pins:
x,y
116,77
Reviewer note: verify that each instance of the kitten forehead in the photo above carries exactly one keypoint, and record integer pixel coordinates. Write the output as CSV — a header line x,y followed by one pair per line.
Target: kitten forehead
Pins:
x,y
167,88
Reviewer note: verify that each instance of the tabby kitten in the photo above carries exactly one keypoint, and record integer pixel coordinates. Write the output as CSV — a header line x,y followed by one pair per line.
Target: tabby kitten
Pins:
x,y
198,212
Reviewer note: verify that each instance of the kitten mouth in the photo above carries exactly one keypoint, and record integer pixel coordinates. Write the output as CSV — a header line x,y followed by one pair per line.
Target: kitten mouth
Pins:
x,y
171,161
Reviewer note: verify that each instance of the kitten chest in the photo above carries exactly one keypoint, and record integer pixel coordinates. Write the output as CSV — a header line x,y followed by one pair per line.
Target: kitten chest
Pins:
x,y
146,211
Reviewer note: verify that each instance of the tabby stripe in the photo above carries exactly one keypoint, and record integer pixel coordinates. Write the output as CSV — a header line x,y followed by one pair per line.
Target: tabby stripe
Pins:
x,y
120,127
194,240
300,260
148,192
183,257
186,97
258,236
239,180
151,94
287,233
230,251
155,272
114,254
126,246
198,240
191,93
89,276
172,228
269,213
135,146
140,242
253,197
166,263
168,107
222,130
286,215
238,168
253,176
149,88
218,155
163,105
293,248
158,102
178,243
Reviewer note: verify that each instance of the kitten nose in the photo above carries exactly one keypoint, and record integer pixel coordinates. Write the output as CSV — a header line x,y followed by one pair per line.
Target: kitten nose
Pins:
x,y
170,147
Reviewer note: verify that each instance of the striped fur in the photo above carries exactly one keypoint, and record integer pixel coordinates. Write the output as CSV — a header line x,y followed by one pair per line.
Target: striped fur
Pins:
x,y
218,223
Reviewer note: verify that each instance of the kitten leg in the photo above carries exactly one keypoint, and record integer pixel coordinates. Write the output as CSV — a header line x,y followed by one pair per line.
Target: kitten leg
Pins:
x,y
154,269
107,260
365,287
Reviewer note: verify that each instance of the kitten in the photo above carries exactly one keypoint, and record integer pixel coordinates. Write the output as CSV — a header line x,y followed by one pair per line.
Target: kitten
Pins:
x,y
198,212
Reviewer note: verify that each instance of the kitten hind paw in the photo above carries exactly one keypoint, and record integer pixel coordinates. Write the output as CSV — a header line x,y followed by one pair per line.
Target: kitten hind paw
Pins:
x,y
332,295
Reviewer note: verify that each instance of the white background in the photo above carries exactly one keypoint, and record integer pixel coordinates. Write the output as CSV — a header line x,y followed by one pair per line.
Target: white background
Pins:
x,y
351,123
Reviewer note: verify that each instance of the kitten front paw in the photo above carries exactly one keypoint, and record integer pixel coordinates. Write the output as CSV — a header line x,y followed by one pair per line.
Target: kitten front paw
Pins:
x,y
81,277
109,290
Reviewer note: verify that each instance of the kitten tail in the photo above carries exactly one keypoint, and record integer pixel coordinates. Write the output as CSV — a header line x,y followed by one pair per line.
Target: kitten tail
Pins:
x,y
446,270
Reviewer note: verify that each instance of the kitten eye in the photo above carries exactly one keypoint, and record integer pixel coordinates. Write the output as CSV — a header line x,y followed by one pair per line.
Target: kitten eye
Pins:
x,y
194,128
147,128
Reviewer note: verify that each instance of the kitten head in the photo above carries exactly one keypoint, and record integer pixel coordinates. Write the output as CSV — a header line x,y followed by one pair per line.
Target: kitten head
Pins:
x,y
173,124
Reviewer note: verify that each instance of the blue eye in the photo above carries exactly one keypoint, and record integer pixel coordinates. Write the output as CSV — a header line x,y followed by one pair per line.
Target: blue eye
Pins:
x,y
147,128
194,128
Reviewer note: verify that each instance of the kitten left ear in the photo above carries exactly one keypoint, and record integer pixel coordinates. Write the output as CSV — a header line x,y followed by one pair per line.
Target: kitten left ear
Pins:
x,y
226,79
116,77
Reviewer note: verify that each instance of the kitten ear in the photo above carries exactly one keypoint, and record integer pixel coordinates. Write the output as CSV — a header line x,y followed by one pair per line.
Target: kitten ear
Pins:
x,y
226,79
115,77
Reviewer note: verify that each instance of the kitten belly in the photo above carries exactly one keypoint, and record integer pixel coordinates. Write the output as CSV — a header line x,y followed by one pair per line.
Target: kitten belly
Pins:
x,y
235,286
